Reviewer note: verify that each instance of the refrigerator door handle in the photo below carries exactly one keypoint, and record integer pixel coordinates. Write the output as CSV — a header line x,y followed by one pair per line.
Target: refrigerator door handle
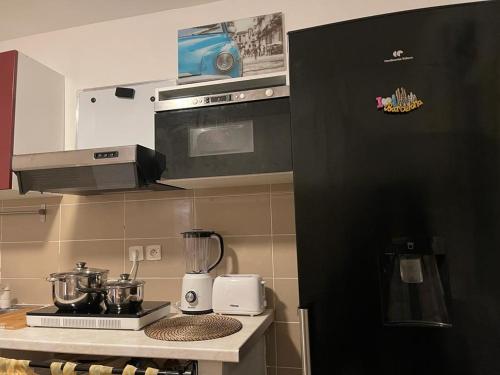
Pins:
x,y
304,341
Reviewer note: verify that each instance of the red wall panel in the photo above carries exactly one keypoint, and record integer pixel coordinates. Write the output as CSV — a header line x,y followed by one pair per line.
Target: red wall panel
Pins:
x,y
8,70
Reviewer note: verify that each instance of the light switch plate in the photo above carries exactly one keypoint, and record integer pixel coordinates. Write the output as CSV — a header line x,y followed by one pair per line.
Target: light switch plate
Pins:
x,y
153,252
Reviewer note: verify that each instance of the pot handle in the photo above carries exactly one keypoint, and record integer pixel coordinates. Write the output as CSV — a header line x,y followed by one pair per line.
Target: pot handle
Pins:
x,y
218,237
51,279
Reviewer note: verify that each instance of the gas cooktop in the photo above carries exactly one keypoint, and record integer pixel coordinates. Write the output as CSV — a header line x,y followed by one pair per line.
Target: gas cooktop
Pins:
x,y
51,316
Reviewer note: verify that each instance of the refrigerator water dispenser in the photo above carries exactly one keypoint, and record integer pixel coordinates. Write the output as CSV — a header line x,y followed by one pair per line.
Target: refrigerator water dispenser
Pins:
x,y
414,282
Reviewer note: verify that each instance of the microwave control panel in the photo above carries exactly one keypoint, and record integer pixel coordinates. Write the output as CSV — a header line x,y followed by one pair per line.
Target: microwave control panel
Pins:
x,y
172,104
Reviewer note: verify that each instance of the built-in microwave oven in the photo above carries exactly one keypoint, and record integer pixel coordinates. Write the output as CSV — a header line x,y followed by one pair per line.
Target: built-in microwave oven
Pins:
x,y
218,130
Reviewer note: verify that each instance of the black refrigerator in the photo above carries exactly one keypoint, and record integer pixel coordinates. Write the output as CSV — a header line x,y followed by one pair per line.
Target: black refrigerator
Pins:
x,y
396,154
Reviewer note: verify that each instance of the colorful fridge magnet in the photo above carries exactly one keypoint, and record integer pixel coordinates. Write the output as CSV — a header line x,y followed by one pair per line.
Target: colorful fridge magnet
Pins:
x,y
399,102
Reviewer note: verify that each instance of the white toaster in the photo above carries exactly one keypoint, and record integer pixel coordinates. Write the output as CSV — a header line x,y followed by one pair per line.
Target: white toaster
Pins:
x,y
239,295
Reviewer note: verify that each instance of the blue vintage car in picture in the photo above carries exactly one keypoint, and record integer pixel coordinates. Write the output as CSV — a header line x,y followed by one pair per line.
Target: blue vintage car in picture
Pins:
x,y
208,52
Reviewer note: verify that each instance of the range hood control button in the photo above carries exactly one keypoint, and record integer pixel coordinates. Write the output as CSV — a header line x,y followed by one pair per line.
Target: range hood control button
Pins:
x,y
190,296
106,155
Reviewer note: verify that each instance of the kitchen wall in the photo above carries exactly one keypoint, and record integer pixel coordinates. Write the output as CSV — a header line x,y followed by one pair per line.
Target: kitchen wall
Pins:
x,y
257,223
144,48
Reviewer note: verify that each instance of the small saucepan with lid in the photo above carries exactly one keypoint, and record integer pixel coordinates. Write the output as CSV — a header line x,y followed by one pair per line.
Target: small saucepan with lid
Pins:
x,y
124,294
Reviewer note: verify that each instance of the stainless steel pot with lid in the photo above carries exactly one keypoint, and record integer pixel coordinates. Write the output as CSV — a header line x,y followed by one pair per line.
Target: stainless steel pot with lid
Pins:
x,y
68,287
123,294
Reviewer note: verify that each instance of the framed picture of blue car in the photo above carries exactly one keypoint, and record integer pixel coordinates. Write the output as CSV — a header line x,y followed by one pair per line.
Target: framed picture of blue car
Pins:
x,y
231,49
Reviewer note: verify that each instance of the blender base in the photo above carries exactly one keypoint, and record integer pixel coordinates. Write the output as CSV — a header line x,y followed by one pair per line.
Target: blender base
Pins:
x,y
204,312
196,295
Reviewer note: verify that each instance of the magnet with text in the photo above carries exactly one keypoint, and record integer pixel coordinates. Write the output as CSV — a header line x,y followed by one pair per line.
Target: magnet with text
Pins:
x,y
399,102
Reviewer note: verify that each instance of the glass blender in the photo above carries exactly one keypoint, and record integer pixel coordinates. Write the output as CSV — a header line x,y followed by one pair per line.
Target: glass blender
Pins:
x,y
197,283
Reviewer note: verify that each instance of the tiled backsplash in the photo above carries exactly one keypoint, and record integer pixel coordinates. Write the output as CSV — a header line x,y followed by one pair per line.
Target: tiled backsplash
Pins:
x,y
257,223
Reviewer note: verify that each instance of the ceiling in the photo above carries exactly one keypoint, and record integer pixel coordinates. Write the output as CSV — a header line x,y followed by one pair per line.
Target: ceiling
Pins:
x,y
26,17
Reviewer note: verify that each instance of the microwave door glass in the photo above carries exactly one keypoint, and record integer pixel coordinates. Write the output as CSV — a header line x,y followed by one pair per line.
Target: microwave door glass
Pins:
x,y
230,138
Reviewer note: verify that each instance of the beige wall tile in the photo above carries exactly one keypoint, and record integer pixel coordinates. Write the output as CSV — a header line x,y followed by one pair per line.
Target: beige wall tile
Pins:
x,y
288,345
283,213
286,299
289,371
30,291
271,346
30,228
234,190
285,256
97,254
247,255
92,221
172,263
157,218
73,199
145,195
269,292
163,290
23,202
237,215
282,188
30,259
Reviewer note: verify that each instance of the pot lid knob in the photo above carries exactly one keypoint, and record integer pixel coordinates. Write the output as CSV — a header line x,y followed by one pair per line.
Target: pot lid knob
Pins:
x,y
81,265
124,277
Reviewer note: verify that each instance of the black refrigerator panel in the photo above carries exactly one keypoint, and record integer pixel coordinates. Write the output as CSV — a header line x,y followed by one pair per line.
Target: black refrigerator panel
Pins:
x,y
396,154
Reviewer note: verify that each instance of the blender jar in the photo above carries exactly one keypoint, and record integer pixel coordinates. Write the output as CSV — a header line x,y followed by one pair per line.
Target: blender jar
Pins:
x,y
197,250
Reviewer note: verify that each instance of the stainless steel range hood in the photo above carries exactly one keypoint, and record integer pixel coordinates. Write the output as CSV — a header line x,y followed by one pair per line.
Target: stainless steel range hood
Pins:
x,y
90,171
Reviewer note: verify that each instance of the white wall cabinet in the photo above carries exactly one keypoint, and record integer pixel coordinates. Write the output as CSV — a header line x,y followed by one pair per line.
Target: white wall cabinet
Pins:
x,y
31,113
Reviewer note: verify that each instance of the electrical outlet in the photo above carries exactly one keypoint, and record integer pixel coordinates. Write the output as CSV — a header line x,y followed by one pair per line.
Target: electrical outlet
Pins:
x,y
138,250
153,252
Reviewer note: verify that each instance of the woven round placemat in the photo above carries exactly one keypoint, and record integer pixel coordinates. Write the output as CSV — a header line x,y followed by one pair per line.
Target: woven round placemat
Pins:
x,y
193,328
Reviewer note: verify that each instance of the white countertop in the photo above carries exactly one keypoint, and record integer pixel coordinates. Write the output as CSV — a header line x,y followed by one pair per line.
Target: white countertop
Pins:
x,y
136,343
